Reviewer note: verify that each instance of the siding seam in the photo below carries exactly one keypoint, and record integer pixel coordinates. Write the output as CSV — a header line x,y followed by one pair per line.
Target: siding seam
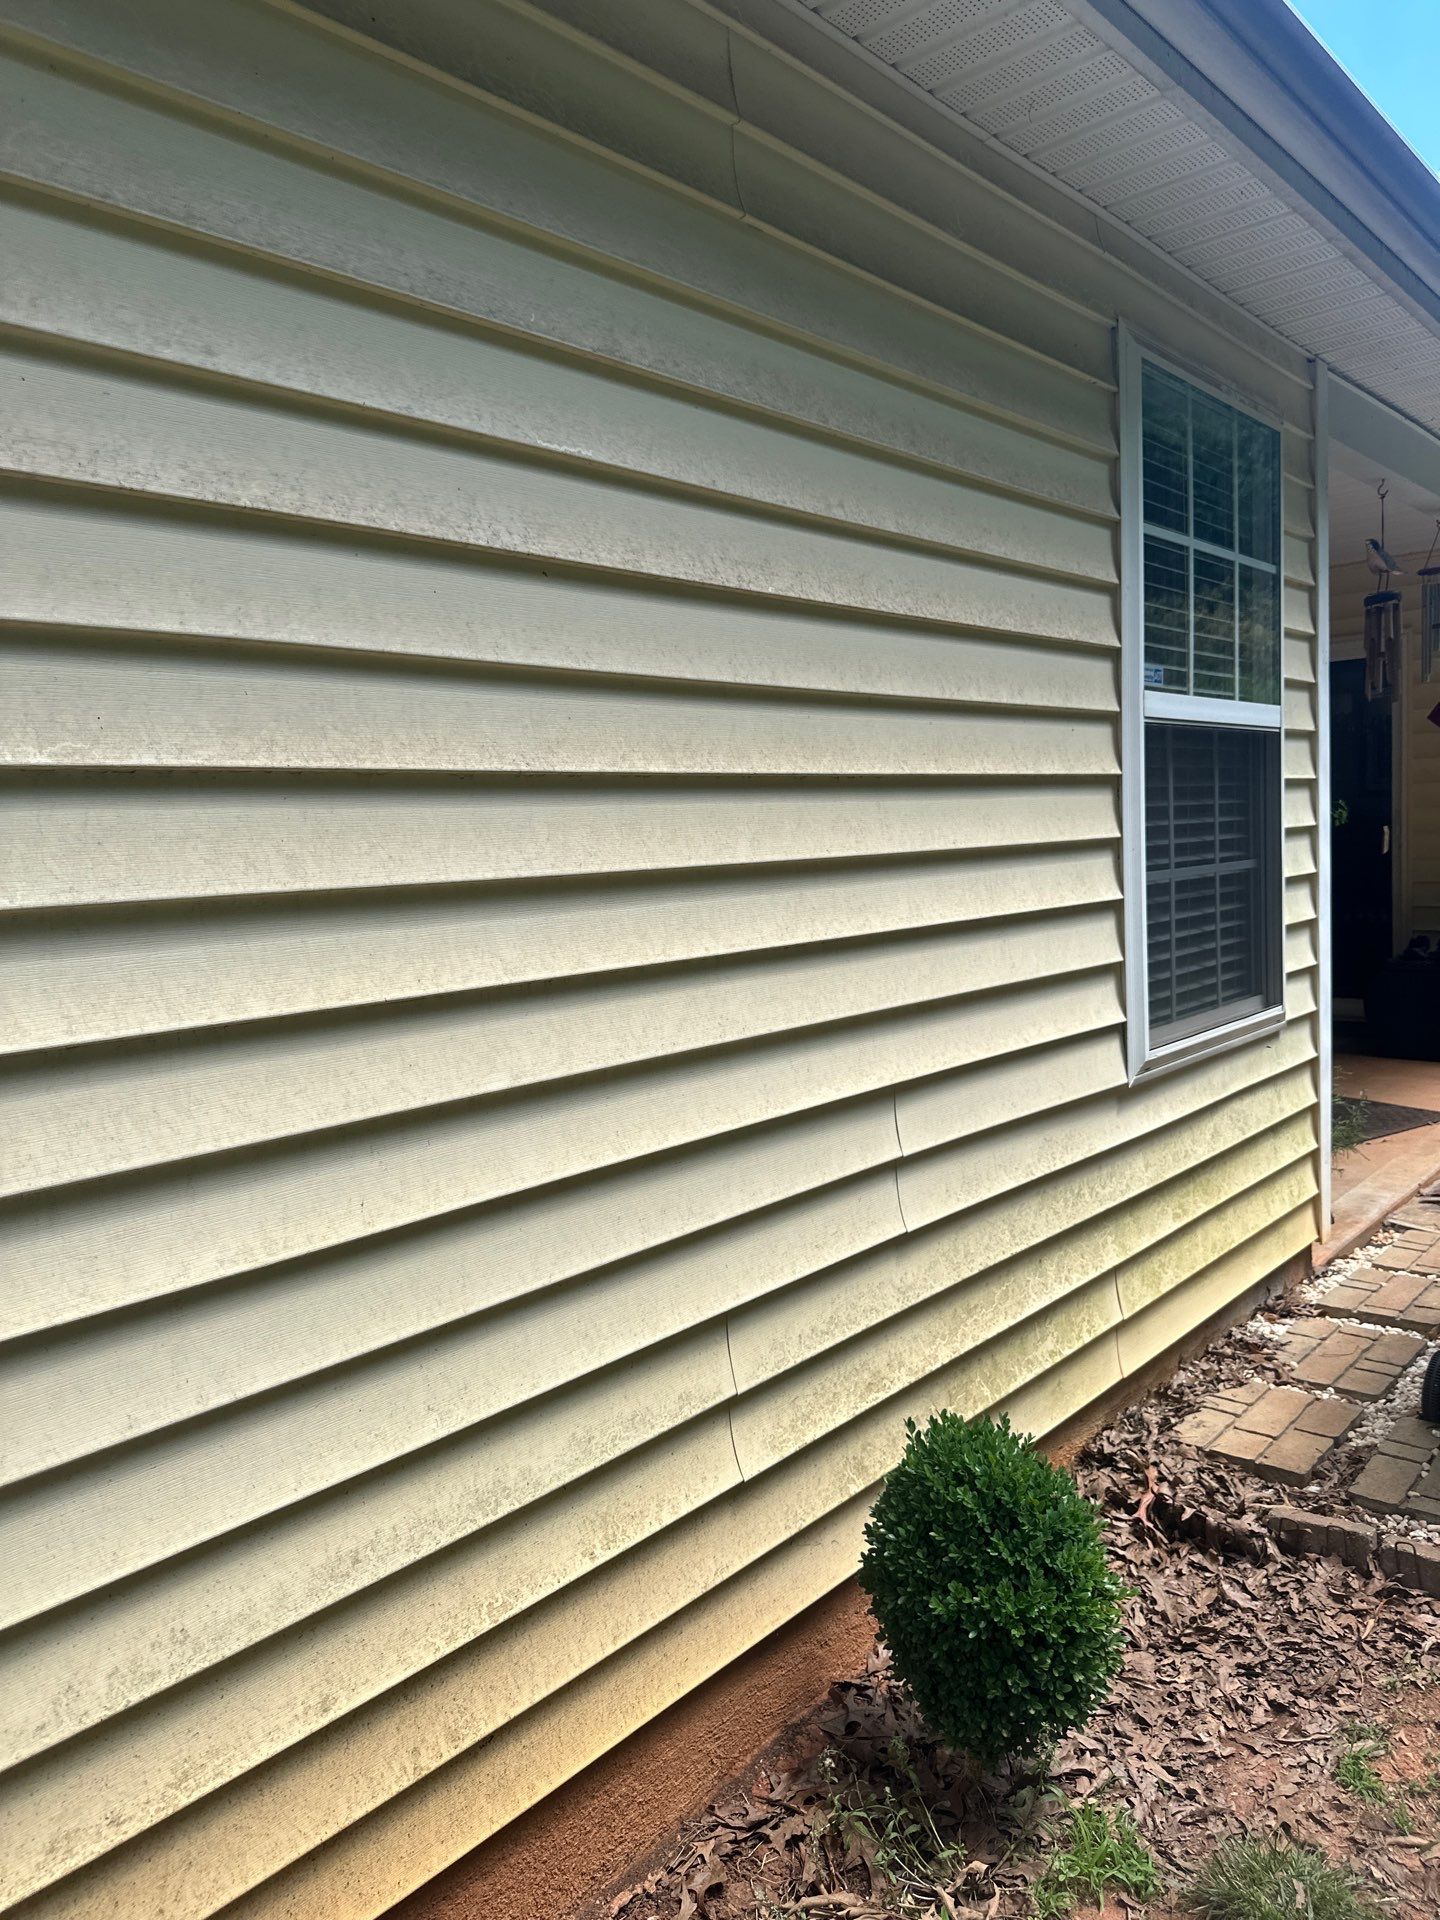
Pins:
x,y
734,1396
900,1153
1121,1316
730,131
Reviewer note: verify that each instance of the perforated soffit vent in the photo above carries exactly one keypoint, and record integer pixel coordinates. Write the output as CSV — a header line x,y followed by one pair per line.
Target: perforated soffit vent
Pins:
x,y
1033,77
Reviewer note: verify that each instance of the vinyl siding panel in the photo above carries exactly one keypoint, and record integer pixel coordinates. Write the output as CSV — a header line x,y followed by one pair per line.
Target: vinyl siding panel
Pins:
x,y
562,942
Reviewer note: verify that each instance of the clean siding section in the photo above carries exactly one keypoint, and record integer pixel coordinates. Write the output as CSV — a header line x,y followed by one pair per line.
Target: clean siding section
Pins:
x,y
563,940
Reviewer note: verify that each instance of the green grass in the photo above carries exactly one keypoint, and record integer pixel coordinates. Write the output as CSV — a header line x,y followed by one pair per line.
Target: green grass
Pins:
x,y
1355,1771
1347,1122
1103,1850
1271,1880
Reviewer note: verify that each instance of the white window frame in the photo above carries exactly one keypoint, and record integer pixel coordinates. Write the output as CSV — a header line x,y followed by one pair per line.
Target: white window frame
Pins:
x,y
1139,704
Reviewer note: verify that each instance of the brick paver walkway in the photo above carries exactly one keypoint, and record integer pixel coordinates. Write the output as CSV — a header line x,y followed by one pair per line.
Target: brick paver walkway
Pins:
x,y
1285,1433
1352,1360
1403,1474
1278,1432
1388,1299
1422,1211
1417,1250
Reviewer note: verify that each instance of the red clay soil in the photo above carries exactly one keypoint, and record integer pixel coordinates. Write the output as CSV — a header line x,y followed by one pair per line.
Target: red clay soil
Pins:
x,y
555,1859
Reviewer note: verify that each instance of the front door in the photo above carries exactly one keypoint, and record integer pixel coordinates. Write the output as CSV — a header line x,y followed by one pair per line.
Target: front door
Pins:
x,y
1360,838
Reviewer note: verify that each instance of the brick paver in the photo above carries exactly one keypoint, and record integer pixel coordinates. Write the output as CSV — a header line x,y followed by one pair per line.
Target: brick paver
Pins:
x,y
1419,1212
1415,1562
1416,1250
1387,1299
1403,1474
1353,1360
1278,1432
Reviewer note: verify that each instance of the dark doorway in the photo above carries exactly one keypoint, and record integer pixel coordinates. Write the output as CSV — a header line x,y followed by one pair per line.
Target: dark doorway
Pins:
x,y
1361,837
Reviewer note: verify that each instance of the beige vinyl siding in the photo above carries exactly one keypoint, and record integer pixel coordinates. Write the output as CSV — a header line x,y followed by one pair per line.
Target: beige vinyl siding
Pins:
x,y
563,963
1415,741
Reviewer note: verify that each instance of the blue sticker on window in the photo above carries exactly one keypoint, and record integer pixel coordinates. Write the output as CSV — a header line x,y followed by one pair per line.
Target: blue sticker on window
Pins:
x,y
1154,676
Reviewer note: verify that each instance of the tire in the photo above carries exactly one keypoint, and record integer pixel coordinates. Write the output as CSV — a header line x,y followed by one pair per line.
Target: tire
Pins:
x,y
1430,1392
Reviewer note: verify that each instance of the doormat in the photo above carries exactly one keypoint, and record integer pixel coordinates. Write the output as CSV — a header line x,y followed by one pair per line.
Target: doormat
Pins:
x,y
1380,1119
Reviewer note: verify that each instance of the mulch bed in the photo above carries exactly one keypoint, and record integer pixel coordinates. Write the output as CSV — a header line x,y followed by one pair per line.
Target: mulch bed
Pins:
x,y
1243,1673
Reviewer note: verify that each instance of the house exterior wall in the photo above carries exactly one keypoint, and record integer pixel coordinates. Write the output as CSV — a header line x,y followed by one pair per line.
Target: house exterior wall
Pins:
x,y
1415,741
565,962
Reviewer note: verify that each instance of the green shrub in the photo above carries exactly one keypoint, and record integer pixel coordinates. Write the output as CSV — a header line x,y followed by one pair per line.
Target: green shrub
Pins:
x,y
987,1574
1272,1880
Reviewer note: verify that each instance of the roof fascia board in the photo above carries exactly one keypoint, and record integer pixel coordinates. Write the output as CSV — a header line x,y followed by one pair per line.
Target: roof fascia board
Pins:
x,y
1213,52
1387,440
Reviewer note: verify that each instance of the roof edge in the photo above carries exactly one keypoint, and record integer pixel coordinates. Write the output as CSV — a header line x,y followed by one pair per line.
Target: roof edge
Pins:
x,y
1256,68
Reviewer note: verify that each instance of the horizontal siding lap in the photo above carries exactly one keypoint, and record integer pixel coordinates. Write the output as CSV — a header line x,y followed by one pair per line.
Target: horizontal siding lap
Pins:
x,y
77,425
418,1837
193,1614
76,567
92,1250
454,1699
992,1233
560,744
236,1092
119,709
113,975
212,316
359,1651
377,226
224,838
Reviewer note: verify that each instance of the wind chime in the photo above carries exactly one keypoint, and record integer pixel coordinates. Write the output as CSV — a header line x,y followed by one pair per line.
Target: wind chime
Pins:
x,y
1430,611
1382,616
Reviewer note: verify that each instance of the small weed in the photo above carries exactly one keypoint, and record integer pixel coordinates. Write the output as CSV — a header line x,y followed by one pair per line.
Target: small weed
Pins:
x,y
892,1827
1411,1673
1271,1880
1355,1771
1103,1850
1348,1121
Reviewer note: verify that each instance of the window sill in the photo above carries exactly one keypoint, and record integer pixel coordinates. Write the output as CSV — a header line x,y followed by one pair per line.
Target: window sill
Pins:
x,y
1201,1046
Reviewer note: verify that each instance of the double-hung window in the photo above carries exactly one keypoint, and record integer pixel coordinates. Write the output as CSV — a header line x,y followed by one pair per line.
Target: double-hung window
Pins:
x,y
1202,691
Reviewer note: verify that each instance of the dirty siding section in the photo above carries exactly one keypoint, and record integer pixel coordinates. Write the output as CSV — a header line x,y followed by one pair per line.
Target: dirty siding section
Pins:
x,y
1415,741
564,965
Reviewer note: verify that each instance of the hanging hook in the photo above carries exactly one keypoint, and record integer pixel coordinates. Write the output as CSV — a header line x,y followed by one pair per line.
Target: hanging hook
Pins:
x,y
1382,490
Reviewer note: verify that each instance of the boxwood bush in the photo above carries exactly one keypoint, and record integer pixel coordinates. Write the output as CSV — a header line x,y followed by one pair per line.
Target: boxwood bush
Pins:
x,y
987,1575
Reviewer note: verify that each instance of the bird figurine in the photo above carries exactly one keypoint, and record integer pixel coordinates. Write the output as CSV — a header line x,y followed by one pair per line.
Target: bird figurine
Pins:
x,y
1378,559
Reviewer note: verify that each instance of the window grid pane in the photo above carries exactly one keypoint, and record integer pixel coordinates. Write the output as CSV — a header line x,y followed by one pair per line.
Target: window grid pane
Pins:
x,y
1214,627
1166,413
1211,494
1167,615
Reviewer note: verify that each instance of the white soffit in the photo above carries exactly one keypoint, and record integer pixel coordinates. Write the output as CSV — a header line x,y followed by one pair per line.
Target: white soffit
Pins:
x,y
1034,77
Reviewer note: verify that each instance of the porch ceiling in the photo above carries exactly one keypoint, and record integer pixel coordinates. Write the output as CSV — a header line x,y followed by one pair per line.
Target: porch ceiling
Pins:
x,y
1410,512
1094,107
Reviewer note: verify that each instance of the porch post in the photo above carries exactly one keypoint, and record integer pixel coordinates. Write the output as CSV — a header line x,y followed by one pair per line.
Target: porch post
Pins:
x,y
1324,1009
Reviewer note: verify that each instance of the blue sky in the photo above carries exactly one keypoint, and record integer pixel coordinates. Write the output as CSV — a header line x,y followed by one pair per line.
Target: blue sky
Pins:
x,y
1393,50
